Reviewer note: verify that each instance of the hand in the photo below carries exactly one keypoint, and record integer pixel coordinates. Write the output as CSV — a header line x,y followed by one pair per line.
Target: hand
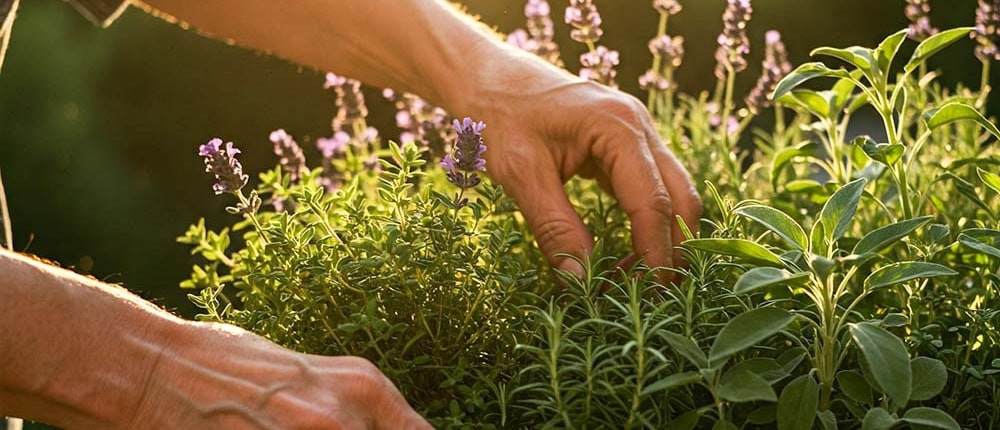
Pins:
x,y
221,377
545,126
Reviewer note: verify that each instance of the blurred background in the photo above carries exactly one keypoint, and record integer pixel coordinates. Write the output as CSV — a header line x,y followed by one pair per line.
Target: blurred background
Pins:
x,y
99,128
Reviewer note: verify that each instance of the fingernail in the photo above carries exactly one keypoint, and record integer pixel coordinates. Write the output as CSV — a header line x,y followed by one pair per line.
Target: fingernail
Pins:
x,y
571,266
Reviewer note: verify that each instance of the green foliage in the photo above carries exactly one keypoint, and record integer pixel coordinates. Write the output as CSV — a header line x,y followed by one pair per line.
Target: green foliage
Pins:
x,y
837,281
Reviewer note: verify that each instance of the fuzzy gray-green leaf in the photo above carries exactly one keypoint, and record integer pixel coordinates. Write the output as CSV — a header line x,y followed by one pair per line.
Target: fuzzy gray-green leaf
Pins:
x,y
797,404
958,111
898,273
747,330
930,417
740,248
887,359
934,44
764,277
884,237
803,74
778,222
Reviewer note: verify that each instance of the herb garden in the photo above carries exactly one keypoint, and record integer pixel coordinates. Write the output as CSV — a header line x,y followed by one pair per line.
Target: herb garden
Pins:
x,y
837,280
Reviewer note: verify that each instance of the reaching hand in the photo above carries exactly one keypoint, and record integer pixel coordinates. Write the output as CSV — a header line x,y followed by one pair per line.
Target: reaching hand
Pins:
x,y
221,377
545,126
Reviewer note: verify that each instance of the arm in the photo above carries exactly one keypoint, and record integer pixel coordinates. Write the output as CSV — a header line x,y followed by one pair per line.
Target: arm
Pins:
x,y
78,353
544,125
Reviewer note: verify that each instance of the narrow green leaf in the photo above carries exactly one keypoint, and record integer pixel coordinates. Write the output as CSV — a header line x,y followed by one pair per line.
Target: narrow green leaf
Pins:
x,y
887,50
686,348
838,212
884,237
958,111
991,179
816,103
779,223
887,359
741,248
747,330
743,386
765,277
978,245
930,417
929,378
898,273
671,382
878,419
934,44
803,74
797,404
853,384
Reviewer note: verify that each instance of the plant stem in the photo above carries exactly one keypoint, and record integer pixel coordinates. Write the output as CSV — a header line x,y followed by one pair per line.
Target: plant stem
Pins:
x,y
661,31
984,85
8,233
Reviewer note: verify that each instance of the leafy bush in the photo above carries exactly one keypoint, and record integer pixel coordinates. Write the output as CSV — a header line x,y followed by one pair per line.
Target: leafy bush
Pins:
x,y
838,281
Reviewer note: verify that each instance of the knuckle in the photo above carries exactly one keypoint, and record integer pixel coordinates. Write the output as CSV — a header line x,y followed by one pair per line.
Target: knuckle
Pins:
x,y
554,236
660,204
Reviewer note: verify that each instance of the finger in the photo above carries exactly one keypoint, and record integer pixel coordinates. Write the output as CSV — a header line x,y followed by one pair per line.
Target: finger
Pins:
x,y
686,201
629,164
538,191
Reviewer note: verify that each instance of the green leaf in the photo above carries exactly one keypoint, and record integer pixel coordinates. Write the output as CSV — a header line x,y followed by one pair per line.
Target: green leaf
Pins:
x,y
978,245
888,49
827,420
765,414
991,179
898,273
743,386
686,421
858,56
797,404
930,417
878,419
803,74
884,237
768,368
934,44
765,277
958,111
887,359
686,348
853,384
929,378
747,330
779,223
671,382
783,158
838,212
882,152
895,320
741,248
816,103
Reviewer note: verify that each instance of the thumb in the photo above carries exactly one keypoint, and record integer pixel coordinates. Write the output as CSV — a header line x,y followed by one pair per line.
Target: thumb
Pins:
x,y
538,191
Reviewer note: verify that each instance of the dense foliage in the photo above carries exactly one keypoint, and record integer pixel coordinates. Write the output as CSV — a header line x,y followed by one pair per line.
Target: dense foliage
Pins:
x,y
837,280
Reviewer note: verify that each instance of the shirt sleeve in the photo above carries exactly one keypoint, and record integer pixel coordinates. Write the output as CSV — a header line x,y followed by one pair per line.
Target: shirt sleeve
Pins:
x,y
100,12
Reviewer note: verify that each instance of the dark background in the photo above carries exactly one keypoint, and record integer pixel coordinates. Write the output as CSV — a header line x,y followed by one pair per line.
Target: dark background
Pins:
x,y
99,128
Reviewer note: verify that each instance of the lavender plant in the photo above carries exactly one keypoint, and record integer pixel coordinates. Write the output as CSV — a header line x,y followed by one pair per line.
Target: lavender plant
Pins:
x,y
839,280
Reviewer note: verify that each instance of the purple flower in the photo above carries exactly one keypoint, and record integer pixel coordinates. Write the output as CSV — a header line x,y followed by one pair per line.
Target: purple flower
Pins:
x,y
652,80
670,49
421,122
586,21
734,44
350,101
289,153
669,7
538,39
466,158
222,163
599,66
520,39
775,67
918,12
987,31
331,147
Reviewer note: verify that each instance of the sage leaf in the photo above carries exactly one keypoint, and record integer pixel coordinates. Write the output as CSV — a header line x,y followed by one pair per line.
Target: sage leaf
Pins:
x,y
778,222
958,111
741,386
687,349
797,404
992,180
853,384
929,378
740,248
671,382
886,358
884,237
747,330
878,419
934,44
898,273
930,417
827,419
888,49
838,212
765,277
804,73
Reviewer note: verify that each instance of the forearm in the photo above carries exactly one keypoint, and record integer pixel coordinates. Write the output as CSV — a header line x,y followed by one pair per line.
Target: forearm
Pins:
x,y
73,351
421,46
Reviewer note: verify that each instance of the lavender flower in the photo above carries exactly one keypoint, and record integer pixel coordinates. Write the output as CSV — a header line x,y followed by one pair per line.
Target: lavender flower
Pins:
x,y
599,66
222,163
918,12
652,80
350,100
733,42
670,49
586,21
776,66
987,32
668,7
466,159
289,153
421,122
538,39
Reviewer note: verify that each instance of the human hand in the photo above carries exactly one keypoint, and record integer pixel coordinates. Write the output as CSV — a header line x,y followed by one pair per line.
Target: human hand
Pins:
x,y
221,377
544,126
